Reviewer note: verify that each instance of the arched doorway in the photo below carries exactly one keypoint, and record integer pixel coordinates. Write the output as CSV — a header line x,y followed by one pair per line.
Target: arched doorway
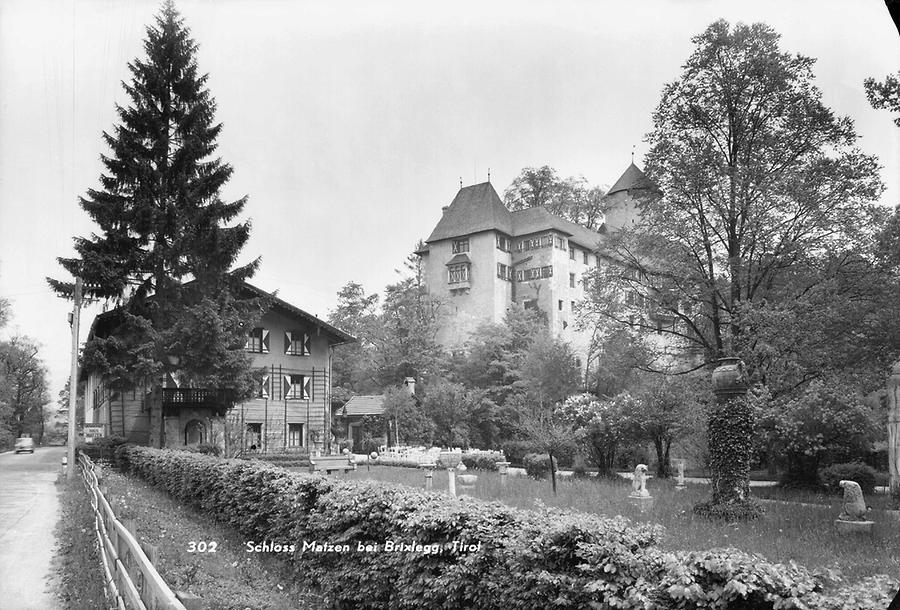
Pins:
x,y
194,432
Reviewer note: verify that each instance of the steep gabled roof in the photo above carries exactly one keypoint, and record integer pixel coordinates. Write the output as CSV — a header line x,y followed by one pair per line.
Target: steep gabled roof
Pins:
x,y
475,208
538,219
105,322
633,178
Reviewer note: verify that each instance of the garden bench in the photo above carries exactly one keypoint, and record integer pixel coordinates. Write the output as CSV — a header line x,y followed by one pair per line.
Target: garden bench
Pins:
x,y
330,463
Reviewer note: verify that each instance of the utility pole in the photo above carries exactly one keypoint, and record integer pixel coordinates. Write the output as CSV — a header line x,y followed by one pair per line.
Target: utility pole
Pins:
x,y
73,382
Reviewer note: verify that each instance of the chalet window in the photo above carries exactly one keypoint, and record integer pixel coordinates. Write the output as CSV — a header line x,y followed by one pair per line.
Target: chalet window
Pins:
x,y
597,260
572,252
460,245
258,341
585,257
573,305
254,436
458,273
571,280
296,343
295,435
503,243
520,275
561,243
560,304
504,271
297,387
263,387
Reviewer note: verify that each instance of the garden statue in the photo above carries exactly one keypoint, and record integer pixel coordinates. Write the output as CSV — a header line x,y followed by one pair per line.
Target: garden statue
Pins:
x,y
854,507
853,518
639,482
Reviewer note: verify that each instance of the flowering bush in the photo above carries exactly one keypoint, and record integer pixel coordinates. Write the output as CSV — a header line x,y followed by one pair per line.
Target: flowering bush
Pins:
x,y
508,558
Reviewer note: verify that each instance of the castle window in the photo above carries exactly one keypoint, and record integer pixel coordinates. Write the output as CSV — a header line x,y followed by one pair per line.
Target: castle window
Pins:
x,y
458,273
503,243
585,257
571,280
460,245
572,252
561,243
504,271
560,304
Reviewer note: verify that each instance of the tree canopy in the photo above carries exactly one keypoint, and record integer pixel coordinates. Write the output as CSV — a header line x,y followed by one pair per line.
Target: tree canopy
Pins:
x,y
763,244
570,198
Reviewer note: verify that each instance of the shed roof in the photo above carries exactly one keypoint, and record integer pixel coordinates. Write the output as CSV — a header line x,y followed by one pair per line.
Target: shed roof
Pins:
x,y
364,405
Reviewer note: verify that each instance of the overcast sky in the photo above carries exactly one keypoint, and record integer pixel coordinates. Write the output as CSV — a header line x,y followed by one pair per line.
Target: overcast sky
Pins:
x,y
349,124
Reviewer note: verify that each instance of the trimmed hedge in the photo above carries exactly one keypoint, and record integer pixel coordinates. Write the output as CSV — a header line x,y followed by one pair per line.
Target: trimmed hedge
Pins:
x,y
524,559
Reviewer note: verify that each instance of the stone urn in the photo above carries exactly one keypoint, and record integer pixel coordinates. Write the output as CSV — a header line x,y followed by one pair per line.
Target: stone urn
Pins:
x,y
729,377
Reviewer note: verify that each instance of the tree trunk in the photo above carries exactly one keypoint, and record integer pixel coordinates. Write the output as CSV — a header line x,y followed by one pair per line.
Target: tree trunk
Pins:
x,y
552,471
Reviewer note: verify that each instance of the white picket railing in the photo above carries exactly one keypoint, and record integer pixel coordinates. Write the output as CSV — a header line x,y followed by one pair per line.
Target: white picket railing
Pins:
x,y
131,580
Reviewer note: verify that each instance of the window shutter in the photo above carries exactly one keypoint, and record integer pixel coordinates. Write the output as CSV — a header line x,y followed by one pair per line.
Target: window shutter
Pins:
x,y
287,342
305,344
265,341
287,387
307,387
265,386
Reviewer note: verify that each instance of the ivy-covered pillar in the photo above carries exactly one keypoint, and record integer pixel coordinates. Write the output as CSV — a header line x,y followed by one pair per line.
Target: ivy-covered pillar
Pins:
x,y
729,433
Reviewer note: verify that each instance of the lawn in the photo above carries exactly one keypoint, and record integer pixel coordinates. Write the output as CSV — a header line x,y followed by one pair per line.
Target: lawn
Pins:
x,y
229,578
788,532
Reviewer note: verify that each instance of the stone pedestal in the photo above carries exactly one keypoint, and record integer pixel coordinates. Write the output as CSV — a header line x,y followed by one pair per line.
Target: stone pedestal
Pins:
x,y
853,528
503,469
644,503
679,480
429,476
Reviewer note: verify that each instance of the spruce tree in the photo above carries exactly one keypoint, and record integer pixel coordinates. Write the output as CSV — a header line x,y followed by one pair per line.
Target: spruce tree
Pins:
x,y
166,241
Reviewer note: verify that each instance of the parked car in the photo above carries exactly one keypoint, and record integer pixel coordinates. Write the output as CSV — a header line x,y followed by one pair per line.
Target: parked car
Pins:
x,y
25,444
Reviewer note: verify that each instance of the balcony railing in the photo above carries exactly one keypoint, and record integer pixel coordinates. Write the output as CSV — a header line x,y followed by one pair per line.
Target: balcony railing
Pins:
x,y
218,399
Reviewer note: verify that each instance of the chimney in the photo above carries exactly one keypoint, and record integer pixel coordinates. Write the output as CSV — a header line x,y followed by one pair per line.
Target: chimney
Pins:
x,y
410,383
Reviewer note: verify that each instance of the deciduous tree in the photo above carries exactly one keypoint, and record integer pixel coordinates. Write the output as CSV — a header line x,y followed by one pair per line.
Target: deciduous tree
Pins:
x,y
767,209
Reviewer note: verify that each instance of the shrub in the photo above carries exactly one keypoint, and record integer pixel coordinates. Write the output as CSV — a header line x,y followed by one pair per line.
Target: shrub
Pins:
x,y
206,449
537,465
863,474
103,448
515,451
481,460
824,425
519,559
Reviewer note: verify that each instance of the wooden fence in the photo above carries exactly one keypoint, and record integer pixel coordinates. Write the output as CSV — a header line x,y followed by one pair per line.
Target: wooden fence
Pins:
x,y
131,580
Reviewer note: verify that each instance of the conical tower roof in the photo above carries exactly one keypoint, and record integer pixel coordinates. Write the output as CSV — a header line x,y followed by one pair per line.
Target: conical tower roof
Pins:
x,y
633,178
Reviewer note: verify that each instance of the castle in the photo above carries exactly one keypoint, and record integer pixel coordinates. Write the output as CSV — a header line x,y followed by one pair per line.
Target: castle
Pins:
x,y
481,258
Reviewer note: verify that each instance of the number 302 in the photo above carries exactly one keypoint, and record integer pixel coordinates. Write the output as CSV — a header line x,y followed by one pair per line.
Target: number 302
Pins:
x,y
202,547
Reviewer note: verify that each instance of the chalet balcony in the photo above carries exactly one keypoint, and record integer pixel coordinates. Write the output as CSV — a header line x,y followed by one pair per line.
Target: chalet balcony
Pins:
x,y
175,399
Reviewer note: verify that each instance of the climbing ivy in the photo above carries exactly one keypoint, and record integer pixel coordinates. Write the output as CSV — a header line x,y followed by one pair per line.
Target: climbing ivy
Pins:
x,y
730,434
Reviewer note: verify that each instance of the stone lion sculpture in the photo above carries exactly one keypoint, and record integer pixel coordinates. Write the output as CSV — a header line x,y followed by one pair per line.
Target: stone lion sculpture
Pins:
x,y
639,482
854,506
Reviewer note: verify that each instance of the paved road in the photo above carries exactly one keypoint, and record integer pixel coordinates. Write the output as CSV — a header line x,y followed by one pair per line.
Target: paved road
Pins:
x,y
29,510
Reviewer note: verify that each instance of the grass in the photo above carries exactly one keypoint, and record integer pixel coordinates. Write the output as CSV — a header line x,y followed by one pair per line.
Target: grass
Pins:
x,y
229,578
879,501
76,564
788,532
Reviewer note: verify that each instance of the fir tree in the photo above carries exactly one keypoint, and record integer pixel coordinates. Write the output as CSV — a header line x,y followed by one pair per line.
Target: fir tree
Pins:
x,y
167,242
